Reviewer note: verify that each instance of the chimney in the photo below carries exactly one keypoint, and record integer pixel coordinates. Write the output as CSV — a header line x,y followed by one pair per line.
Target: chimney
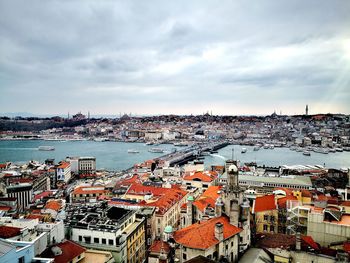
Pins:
x,y
219,231
298,241
218,207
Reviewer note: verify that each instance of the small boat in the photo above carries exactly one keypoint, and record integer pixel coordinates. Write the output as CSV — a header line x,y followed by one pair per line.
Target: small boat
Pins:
x,y
332,150
339,149
133,151
306,153
266,146
244,150
156,150
257,147
149,143
46,148
272,146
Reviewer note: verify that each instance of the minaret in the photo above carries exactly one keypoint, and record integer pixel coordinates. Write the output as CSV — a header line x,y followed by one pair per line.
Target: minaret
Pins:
x,y
307,110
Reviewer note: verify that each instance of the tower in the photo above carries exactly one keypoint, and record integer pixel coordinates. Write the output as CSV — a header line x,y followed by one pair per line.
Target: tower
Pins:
x,y
233,194
236,208
307,110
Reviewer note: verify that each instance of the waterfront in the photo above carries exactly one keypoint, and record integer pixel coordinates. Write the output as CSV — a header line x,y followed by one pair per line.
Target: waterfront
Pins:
x,y
114,156
109,155
278,157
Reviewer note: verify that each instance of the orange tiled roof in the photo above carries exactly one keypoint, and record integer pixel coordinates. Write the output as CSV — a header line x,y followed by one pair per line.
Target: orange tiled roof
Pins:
x,y
165,197
158,245
208,198
207,176
53,205
264,203
201,235
63,165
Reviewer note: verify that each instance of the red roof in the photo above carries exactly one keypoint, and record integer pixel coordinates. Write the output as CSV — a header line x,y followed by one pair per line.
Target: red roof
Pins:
x,y
70,250
208,198
201,235
282,202
9,231
43,194
207,176
158,245
164,198
264,203
63,165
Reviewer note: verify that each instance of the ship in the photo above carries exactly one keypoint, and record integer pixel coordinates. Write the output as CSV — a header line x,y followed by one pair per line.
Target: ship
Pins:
x,y
46,148
244,150
156,150
307,153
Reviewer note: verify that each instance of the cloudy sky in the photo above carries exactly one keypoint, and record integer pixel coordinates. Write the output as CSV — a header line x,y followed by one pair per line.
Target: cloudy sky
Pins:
x,y
182,57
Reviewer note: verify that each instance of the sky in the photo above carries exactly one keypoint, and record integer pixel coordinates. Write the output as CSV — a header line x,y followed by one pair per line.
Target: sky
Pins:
x,y
175,57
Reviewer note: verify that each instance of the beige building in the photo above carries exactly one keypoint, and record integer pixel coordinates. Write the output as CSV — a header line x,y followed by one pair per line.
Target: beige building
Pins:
x,y
328,226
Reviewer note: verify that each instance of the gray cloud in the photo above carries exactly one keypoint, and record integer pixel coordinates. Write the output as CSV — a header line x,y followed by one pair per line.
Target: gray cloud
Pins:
x,y
181,57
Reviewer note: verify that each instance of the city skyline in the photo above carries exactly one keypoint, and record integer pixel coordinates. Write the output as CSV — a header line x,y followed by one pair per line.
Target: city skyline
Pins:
x,y
174,58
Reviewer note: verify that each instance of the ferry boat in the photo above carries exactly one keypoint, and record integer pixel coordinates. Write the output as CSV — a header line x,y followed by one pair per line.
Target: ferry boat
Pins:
x,y
156,150
46,148
244,150
321,150
133,151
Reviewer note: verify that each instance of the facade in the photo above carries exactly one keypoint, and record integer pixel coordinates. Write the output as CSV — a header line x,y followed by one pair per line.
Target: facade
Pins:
x,y
167,201
265,212
63,172
87,165
23,192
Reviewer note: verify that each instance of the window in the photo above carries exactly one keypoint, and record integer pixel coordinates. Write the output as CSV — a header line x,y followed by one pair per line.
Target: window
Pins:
x,y
266,217
110,242
103,241
80,238
21,260
184,256
265,227
96,240
272,228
